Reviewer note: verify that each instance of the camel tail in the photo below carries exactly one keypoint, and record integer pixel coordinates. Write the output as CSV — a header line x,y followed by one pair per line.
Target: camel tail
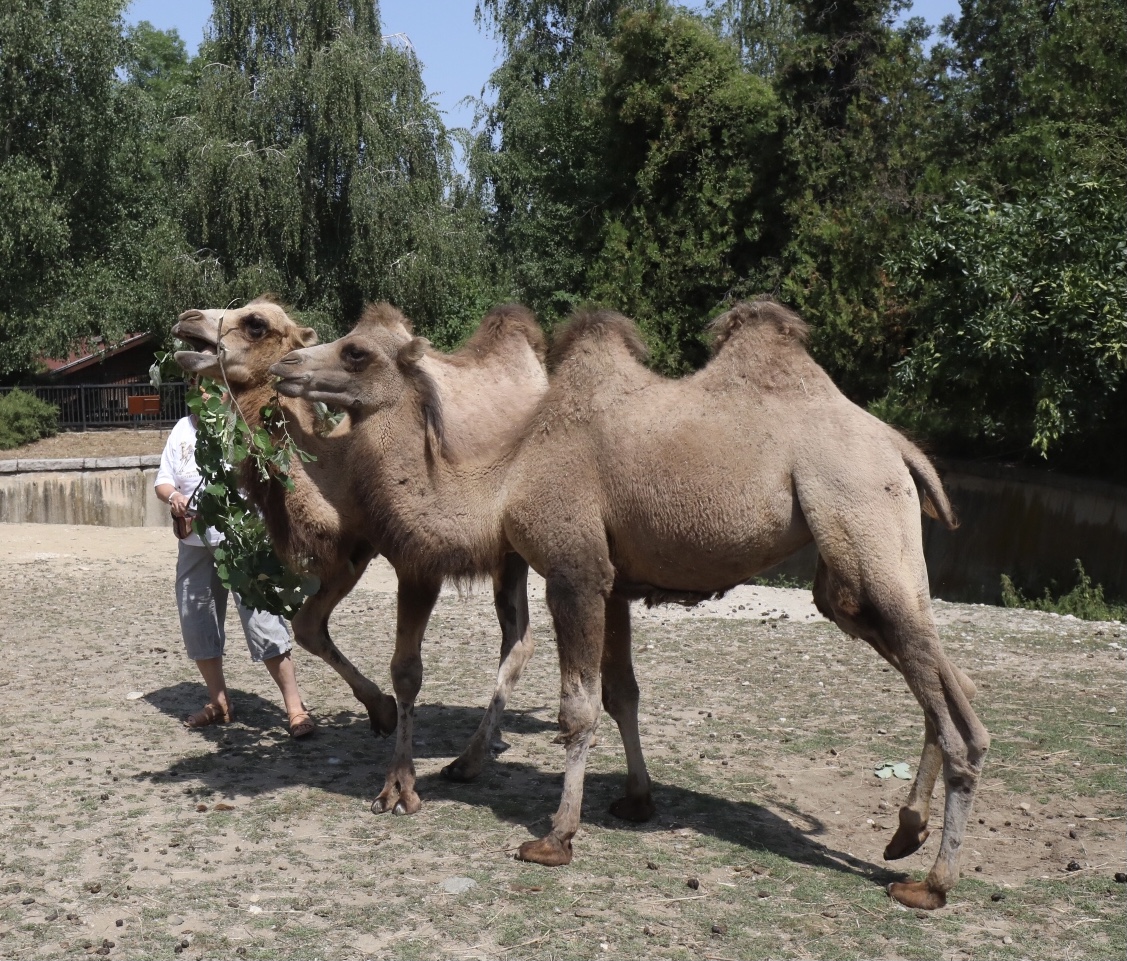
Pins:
x,y
933,496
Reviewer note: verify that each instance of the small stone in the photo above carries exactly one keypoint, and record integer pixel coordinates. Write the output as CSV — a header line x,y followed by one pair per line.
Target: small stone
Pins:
x,y
1120,877
94,888
693,883
201,808
240,950
763,894
719,929
184,943
829,914
107,943
120,922
584,913
1073,865
458,885
52,916
1073,835
978,868
647,930
922,915
28,901
650,866
72,917
997,896
1007,940
1024,806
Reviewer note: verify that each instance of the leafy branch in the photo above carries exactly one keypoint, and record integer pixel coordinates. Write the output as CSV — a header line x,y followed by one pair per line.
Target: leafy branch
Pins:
x,y
245,561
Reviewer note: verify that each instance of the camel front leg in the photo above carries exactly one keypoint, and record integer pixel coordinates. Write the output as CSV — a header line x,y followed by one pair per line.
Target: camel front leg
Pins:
x,y
311,631
620,699
510,599
416,600
579,615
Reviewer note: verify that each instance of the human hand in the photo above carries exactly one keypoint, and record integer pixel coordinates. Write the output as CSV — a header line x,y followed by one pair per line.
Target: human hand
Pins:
x,y
178,504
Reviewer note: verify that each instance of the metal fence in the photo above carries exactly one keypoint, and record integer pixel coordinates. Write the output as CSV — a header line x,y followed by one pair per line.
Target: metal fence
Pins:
x,y
90,406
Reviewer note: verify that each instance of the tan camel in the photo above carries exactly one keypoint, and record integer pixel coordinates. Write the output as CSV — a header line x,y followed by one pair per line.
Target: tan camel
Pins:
x,y
678,490
323,520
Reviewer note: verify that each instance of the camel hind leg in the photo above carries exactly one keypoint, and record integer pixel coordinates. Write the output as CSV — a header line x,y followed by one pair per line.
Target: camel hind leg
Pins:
x,y
577,601
620,699
311,631
895,618
510,598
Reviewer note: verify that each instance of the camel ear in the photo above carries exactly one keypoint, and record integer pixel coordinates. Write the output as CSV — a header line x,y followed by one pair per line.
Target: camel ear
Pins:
x,y
412,351
307,335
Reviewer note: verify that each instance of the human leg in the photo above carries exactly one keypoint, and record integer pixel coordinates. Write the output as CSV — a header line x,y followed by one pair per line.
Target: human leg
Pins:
x,y
201,602
268,640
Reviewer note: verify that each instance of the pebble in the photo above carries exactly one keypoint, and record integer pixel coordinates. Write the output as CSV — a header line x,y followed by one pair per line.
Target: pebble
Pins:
x,y
458,885
28,901
52,916
94,888
1120,877
1007,940
1073,865
651,866
693,883
997,896
719,929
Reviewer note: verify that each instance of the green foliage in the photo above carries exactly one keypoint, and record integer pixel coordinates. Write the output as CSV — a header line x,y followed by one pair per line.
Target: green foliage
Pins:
x,y
1084,600
315,165
1021,308
245,561
25,418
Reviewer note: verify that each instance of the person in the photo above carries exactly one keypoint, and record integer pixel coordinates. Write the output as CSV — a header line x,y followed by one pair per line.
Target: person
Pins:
x,y
201,600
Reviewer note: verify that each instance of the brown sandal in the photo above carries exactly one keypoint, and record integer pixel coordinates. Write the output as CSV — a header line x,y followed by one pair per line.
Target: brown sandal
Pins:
x,y
301,725
209,714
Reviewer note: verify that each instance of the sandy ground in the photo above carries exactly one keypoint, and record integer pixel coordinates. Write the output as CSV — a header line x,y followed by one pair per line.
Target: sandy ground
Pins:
x,y
125,834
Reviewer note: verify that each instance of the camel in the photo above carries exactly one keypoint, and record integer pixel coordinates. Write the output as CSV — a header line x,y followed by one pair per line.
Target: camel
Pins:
x,y
676,491
324,520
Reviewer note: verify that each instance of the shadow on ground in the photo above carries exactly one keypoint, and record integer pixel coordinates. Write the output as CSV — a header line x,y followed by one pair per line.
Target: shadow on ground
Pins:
x,y
255,755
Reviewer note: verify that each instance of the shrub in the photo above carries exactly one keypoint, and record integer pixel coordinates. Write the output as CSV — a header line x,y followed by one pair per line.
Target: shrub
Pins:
x,y
1085,600
24,418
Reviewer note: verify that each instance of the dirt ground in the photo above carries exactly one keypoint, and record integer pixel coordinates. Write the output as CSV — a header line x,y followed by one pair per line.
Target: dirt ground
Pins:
x,y
127,835
92,443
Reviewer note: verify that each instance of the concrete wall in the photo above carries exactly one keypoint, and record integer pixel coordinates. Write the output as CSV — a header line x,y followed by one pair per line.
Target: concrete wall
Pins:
x,y
106,491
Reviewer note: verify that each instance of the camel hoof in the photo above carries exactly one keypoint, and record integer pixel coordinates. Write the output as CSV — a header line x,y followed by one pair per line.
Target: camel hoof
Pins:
x,y
904,842
384,717
917,894
635,809
549,851
385,801
408,804
461,770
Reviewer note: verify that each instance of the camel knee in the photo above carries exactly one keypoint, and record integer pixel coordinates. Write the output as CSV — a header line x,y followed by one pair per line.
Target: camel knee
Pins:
x,y
407,677
578,717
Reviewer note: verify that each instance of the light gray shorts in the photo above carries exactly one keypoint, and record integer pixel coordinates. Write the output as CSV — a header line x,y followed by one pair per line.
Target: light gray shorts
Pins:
x,y
202,601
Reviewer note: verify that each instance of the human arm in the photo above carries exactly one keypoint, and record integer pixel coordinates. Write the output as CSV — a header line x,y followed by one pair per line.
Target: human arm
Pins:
x,y
173,498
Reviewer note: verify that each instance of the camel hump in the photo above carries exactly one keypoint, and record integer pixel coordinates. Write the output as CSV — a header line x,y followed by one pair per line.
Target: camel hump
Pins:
x,y
934,500
384,315
595,325
761,313
506,321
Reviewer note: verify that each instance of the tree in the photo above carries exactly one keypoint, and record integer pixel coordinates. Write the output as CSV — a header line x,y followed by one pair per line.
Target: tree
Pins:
x,y
316,166
79,221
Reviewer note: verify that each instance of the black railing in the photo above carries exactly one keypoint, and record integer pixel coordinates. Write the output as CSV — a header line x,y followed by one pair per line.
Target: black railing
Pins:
x,y
90,406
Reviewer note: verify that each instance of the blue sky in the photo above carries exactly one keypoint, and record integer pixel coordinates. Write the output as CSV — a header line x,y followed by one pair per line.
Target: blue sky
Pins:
x,y
457,57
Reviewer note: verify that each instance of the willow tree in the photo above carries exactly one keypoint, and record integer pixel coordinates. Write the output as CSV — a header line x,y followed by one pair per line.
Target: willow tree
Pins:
x,y
79,206
315,165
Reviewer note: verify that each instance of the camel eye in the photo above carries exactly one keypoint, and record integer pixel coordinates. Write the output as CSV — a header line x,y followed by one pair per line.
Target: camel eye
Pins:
x,y
353,354
255,327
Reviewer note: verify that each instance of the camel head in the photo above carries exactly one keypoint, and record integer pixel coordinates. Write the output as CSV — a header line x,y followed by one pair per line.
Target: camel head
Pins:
x,y
366,370
239,346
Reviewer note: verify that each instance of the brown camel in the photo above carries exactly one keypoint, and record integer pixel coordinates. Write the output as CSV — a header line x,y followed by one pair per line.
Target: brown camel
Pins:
x,y
678,490
325,522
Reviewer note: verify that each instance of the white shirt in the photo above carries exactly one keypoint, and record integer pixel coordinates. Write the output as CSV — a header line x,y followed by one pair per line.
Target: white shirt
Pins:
x,y
178,468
